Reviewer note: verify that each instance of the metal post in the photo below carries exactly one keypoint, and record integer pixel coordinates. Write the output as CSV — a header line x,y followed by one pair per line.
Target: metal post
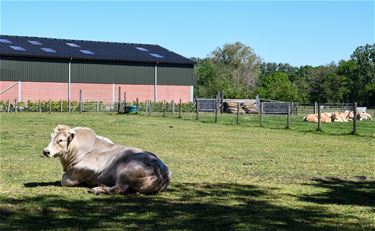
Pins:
x,y
149,107
354,131
216,109
19,91
124,101
137,105
15,105
50,106
113,96
69,82
40,108
172,103
238,112
319,119
179,109
197,108
221,102
315,107
155,83
261,114
288,117
80,101
8,106
61,106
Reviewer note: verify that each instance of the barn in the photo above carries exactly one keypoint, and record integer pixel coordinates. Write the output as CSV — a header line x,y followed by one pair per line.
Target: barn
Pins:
x,y
35,68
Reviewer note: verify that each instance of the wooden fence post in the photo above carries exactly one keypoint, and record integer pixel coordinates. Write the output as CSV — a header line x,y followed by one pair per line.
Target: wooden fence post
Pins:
x,y
292,107
149,107
354,130
197,108
179,109
40,107
119,101
238,112
261,114
288,116
172,105
80,102
50,106
15,105
319,119
165,108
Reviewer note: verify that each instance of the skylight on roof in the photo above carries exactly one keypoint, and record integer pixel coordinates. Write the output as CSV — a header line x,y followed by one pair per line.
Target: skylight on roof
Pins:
x,y
17,48
34,42
72,44
49,50
157,55
5,41
141,48
87,52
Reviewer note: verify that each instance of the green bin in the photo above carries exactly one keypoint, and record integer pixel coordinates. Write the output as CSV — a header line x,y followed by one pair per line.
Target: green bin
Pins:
x,y
131,109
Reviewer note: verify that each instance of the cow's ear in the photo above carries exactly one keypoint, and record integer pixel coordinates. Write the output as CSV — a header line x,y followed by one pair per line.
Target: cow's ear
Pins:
x,y
71,135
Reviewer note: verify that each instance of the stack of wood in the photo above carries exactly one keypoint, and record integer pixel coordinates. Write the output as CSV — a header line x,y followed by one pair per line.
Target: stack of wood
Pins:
x,y
231,107
249,108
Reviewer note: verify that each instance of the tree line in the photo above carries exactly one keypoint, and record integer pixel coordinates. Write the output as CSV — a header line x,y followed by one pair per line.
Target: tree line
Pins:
x,y
236,70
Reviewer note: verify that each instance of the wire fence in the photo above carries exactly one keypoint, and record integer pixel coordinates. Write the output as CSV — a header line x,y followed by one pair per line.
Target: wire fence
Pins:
x,y
279,115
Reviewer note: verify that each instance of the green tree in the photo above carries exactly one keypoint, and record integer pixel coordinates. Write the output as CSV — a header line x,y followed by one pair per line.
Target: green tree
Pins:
x,y
277,86
363,76
205,78
239,69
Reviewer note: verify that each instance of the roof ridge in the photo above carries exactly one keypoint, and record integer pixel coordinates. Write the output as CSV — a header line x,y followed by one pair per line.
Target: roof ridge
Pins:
x,y
81,40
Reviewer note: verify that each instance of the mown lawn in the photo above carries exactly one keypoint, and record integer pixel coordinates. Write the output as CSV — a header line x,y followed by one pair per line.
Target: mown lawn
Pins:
x,y
225,177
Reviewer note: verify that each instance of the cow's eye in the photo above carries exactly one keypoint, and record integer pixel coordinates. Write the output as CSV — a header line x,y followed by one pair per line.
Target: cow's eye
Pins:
x,y
59,141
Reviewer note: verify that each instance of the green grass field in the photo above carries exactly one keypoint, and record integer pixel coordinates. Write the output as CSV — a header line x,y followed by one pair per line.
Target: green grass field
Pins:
x,y
225,177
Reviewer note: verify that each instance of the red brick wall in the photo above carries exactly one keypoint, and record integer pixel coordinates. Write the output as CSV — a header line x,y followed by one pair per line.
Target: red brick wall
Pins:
x,y
92,92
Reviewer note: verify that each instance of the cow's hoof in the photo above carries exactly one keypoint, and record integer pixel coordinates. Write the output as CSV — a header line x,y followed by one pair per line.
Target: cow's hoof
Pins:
x,y
93,191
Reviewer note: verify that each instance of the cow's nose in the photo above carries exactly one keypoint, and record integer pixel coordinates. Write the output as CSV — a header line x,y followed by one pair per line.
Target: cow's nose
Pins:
x,y
45,152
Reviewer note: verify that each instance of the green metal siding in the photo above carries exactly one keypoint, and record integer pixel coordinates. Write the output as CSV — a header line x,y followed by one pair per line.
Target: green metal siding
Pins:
x,y
107,73
40,71
175,76
58,71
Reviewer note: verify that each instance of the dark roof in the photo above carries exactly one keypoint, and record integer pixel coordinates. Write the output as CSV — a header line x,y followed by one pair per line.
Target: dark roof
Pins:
x,y
87,50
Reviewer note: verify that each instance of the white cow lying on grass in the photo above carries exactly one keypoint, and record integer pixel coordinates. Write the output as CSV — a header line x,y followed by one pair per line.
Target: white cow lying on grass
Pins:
x,y
364,116
109,168
324,118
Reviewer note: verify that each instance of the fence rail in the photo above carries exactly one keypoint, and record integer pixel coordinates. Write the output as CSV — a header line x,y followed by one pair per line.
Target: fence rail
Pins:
x,y
201,109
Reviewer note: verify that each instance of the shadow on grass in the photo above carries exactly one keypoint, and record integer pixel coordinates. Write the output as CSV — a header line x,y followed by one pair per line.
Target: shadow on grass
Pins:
x,y
359,192
184,206
41,184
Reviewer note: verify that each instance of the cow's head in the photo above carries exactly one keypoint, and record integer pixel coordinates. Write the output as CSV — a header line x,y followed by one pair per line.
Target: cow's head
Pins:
x,y
334,116
61,137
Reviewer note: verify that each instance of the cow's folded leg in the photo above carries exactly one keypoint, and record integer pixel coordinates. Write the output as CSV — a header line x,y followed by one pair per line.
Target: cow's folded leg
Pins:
x,y
109,190
99,189
68,181
119,189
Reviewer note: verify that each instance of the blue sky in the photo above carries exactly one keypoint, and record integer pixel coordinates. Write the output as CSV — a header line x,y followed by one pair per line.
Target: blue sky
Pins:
x,y
294,32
